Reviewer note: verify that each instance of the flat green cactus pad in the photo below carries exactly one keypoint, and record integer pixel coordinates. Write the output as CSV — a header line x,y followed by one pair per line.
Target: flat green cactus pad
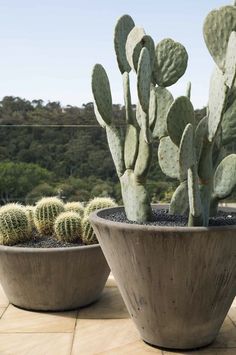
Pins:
x,y
164,101
217,101
180,114
201,134
127,98
144,158
152,113
133,46
116,147
144,74
229,124
179,202
171,62
102,93
186,150
230,61
131,146
217,29
123,27
168,157
225,177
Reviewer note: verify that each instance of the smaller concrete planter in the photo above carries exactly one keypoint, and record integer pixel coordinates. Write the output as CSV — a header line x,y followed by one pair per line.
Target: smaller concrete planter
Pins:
x,y
178,283
53,279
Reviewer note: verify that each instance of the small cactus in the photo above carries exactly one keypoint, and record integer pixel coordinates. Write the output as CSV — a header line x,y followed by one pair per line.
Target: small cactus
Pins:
x,y
67,227
88,235
97,203
46,211
75,207
30,214
14,224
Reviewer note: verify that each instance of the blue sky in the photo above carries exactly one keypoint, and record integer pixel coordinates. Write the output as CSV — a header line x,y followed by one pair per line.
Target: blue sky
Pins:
x,y
48,47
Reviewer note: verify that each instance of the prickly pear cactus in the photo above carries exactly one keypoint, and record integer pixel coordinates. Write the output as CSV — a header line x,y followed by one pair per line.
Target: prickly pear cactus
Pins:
x,y
204,177
14,224
67,227
46,211
131,149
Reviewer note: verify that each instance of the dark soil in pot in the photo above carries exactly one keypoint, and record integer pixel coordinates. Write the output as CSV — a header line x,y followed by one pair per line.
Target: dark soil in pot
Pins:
x,y
38,241
161,217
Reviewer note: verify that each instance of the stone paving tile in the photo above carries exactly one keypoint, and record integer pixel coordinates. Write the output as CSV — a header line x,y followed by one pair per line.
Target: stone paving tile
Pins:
x,y
111,281
137,348
36,344
3,299
2,309
96,336
15,320
227,336
110,305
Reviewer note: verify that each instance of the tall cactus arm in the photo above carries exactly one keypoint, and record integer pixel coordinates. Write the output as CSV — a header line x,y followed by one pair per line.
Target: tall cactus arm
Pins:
x,y
144,158
127,99
187,162
123,27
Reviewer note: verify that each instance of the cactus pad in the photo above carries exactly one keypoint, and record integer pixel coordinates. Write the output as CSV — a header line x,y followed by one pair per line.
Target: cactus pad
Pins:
x,y
225,177
131,147
179,202
144,79
102,93
164,101
186,150
217,29
168,157
171,62
230,61
217,101
123,27
116,147
127,99
181,113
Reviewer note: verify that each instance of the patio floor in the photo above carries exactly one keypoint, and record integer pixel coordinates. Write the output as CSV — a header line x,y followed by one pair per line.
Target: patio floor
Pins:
x,y
103,328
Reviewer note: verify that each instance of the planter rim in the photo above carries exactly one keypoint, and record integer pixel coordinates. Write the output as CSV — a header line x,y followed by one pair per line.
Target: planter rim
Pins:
x,y
15,249
97,217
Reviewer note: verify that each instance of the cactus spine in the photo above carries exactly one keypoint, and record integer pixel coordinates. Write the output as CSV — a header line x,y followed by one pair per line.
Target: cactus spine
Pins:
x,y
14,224
46,211
67,227
131,149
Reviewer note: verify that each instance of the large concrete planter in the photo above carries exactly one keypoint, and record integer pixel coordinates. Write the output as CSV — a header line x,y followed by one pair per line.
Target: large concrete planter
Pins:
x,y
177,283
53,279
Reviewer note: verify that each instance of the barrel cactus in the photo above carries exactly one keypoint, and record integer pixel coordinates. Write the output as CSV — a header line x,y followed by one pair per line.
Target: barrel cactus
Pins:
x,y
14,224
75,207
67,227
88,235
30,214
190,151
156,68
46,211
97,203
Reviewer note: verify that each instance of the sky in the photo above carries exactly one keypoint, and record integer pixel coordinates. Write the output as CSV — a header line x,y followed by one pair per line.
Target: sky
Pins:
x,y
49,47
